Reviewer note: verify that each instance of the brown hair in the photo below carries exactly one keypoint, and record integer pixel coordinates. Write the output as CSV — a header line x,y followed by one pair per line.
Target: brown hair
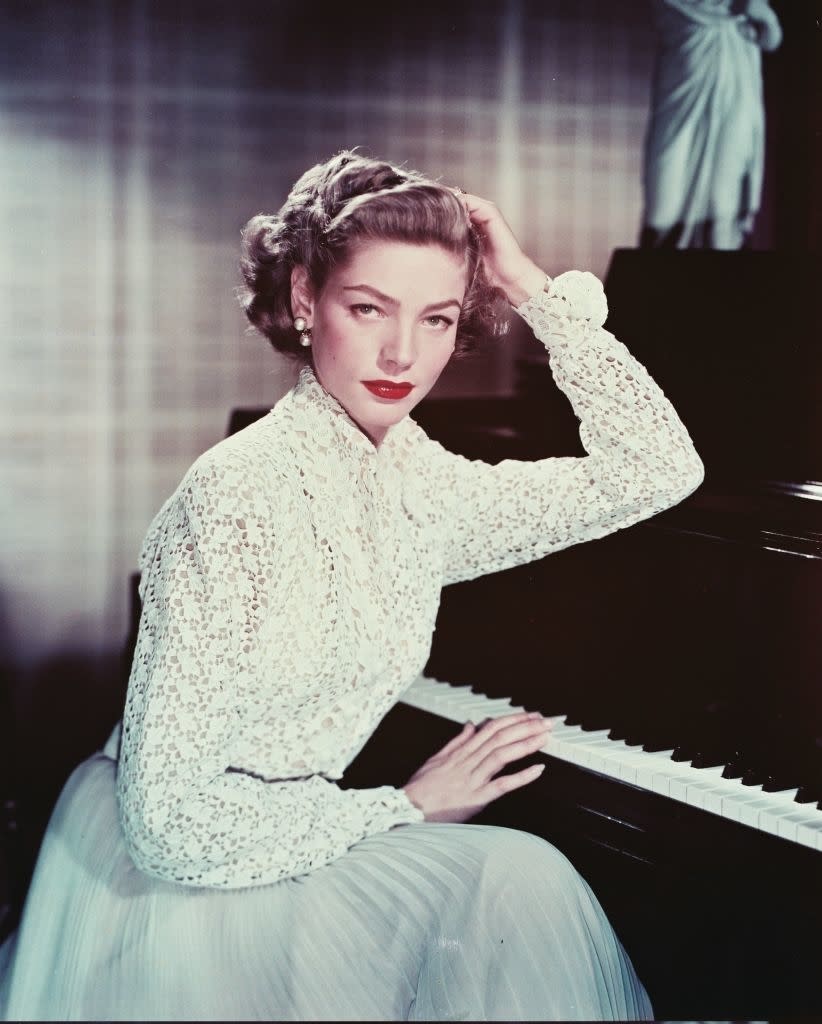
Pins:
x,y
347,199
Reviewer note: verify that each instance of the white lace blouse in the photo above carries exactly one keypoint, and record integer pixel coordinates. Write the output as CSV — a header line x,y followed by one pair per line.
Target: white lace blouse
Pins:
x,y
291,583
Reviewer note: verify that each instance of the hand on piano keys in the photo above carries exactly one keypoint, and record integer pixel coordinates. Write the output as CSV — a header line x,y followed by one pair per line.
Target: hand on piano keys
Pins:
x,y
461,779
777,813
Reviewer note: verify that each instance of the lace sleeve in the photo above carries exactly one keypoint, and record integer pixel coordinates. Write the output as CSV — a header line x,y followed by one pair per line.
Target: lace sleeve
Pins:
x,y
640,458
215,574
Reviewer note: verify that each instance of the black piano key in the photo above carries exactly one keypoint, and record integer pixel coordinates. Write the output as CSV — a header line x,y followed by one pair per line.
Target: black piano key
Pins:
x,y
752,777
593,722
573,716
631,729
810,789
778,782
707,729
593,715
683,752
707,759
738,765
633,739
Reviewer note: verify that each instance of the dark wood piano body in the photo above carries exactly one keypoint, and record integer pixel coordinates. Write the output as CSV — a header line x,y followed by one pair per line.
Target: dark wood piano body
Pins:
x,y
707,613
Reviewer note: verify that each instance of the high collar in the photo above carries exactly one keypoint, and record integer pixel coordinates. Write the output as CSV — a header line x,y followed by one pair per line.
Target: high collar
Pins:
x,y
328,423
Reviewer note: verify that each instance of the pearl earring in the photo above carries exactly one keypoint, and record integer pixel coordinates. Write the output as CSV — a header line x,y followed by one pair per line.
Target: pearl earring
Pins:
x,y
305,331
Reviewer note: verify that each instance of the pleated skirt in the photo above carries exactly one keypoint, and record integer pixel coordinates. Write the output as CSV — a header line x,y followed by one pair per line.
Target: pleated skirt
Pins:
x,y
424,922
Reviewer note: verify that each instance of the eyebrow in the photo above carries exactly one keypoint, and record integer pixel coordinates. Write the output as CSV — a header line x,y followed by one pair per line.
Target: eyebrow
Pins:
x,y
382,297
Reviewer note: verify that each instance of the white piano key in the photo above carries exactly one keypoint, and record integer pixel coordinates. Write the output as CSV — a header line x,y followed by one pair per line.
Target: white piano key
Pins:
x,y
785,797
465,699
661,783
712,795
573,736
568,750
791,821
697,792
778,804
599,752
628,762
577,732
651,766
713,800
711,789
809,831
678,788
571,754
786,826
631,765
476,711
731,807
749,809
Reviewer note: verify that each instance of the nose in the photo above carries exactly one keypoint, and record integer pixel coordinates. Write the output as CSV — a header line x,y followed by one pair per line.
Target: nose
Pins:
x,y
399,350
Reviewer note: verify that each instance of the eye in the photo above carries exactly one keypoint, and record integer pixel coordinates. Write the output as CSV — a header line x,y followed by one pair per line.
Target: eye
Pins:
x,y
365,309
438,320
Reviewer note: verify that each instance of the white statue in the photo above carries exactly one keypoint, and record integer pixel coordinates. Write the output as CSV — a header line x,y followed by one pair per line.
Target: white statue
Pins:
x,y
704,147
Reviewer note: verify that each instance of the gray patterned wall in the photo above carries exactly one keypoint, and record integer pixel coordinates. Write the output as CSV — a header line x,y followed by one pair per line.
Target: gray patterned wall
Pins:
x,y
135,141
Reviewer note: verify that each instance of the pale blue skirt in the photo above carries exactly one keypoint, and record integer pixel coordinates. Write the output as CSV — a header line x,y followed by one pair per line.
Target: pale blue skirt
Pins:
x,y
428,921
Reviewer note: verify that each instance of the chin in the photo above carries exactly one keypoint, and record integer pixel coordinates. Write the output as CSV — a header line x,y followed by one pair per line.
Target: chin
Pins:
x,y
388,418
377,422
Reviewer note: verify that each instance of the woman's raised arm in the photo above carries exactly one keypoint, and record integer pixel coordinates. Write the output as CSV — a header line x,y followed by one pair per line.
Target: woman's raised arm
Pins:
x,y
640,458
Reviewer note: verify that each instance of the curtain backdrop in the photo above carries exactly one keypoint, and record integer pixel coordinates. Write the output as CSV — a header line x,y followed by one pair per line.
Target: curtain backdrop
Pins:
x,y
135,141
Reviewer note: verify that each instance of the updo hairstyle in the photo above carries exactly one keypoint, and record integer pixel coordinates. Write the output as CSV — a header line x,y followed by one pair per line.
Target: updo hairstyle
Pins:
x,y
348,199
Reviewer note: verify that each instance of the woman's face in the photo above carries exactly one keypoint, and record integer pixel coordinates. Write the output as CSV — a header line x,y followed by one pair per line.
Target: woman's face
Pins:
x,y
383,327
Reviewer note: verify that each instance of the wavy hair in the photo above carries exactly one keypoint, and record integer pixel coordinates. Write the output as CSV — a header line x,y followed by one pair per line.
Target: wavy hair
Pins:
x,y
334,205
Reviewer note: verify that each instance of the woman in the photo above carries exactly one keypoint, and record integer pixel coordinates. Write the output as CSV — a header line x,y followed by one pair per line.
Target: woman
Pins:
x,y
290,586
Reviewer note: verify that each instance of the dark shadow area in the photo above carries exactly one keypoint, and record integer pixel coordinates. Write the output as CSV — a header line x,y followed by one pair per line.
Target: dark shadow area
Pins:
x,y
54,715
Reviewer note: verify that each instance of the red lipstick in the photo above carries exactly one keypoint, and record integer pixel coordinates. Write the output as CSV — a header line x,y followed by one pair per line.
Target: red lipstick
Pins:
x,y
390,389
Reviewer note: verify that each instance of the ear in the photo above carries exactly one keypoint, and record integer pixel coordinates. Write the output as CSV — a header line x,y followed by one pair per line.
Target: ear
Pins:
x,y
302,294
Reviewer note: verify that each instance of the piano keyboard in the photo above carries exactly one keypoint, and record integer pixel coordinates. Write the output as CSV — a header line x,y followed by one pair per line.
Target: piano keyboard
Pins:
x,y
775,813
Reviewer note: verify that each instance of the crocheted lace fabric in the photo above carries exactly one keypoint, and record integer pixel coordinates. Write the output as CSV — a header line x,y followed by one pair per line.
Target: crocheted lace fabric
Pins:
x,y
290,587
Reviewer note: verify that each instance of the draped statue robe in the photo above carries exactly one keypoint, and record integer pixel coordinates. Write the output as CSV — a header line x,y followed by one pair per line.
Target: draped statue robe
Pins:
x,y
704,146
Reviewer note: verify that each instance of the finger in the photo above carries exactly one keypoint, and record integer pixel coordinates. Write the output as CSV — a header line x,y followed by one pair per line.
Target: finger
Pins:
x,y
482,211
506,783
495,760
533,716
489,739
501,721
478,209
490,727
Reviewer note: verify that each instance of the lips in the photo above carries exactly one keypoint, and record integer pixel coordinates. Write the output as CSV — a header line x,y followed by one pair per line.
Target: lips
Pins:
x,y
388,389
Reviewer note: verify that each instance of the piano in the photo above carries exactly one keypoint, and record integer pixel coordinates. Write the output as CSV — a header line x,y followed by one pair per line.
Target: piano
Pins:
x,y
681,659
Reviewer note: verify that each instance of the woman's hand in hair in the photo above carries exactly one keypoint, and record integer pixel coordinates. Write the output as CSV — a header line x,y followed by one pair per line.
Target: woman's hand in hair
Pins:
x,y
506,265
463,778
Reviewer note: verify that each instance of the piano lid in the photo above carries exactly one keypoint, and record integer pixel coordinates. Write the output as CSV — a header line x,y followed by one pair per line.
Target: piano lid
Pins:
x,y
735,340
